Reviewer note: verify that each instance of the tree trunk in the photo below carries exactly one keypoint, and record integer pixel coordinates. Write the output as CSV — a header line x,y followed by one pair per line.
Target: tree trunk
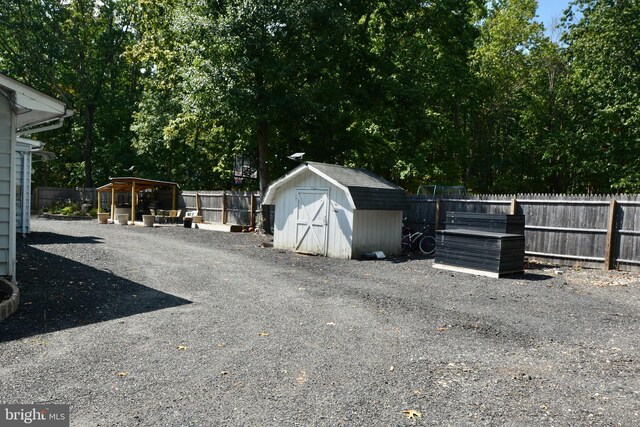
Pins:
x,y
263,173
88,144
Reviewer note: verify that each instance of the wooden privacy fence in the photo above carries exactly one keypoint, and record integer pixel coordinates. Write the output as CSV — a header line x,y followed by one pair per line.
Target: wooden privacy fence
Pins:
x,y
224,207
46,197
580,230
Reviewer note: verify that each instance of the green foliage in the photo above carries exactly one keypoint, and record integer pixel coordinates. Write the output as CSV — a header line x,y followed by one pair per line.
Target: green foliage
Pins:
x,y
449,92
604,96
67,209
74,51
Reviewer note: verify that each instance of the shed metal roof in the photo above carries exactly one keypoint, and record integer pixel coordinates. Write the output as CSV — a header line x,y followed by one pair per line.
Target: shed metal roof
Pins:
x,y
365,189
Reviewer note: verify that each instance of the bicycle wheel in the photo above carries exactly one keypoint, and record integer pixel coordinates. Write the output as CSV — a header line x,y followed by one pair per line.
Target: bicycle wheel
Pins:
x,y
427,245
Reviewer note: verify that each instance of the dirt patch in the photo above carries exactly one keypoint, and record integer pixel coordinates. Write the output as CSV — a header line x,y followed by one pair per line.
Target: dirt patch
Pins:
x,y
590,277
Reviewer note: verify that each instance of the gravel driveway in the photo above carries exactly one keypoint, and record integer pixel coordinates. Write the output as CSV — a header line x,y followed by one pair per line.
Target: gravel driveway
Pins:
x,y
178,327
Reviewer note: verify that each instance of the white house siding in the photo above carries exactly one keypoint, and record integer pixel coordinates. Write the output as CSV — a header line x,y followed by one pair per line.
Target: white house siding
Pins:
x,y
7,200
376,231
339,221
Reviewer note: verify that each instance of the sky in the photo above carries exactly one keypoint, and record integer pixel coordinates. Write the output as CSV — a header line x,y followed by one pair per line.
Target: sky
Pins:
x,y
550,9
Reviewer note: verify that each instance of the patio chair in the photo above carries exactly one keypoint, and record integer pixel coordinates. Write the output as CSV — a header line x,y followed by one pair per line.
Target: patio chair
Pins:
x,y
172,216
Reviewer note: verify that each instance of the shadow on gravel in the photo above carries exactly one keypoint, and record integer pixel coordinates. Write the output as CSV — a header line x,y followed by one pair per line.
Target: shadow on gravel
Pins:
x,y
42,238
57,293
399,259
533,277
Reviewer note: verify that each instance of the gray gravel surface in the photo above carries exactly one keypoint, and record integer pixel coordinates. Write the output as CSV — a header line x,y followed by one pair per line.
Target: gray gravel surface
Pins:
x,y
178,327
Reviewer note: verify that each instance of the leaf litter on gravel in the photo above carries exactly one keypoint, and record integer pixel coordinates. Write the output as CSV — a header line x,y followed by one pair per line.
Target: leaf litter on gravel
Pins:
x,y
412,413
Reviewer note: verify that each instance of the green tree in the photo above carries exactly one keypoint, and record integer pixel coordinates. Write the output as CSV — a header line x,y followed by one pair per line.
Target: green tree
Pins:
x,y
502,61
410,126
372,84
604,95
74,50
256,78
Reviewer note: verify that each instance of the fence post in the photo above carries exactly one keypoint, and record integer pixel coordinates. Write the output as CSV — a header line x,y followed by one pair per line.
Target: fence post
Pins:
x,y
436,227
514,206
611,231
37,198
224,207
197,203
252,213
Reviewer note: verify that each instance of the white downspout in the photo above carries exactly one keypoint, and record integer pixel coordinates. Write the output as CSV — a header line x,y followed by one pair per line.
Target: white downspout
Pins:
x,y
25,212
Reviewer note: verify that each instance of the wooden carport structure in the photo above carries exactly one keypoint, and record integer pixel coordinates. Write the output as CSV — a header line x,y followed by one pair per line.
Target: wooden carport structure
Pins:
x,y
133,185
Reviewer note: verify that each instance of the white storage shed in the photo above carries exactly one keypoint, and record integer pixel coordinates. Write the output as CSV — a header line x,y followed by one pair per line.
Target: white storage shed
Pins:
x,y
336,211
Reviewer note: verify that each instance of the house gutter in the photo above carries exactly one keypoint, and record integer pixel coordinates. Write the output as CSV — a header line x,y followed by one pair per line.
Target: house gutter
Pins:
x,y
43,126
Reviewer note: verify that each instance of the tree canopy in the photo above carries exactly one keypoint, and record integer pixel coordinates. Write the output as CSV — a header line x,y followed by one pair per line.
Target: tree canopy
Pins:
x,y
450,92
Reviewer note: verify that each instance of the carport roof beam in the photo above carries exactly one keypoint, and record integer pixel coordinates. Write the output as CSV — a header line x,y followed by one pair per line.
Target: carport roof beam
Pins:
x,y
124,184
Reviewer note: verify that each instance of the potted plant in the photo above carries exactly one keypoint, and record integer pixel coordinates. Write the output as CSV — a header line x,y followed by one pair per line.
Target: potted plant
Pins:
x,y
103,217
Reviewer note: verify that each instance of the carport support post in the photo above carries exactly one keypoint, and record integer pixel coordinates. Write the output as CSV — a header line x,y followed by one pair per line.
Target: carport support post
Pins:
x,y
133,202
436,225
197,203
173,201
113,201
99,201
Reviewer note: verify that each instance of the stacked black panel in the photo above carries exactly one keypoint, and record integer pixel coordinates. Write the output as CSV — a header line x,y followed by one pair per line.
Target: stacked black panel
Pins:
x,y
497,223
490,243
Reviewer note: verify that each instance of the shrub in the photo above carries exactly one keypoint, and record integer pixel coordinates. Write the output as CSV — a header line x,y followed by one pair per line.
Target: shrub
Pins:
x,y
68,209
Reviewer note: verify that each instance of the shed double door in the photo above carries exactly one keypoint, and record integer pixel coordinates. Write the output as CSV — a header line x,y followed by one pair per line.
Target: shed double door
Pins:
x,y
312,209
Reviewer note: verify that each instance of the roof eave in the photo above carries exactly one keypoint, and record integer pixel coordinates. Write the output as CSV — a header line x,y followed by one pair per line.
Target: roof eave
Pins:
x,y
275,185
32,107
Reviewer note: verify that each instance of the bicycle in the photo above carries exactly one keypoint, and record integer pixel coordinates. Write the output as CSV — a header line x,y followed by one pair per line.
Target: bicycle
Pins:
x,y
421,240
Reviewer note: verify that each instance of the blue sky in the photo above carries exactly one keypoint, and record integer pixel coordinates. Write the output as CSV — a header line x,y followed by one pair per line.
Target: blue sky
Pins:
x,y
549,9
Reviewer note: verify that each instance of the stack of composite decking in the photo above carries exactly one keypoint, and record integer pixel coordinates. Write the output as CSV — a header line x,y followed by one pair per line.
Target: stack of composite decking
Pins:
x,y
478,243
